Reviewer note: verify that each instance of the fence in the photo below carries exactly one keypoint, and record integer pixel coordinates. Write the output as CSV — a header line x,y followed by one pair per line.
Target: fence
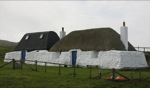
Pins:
x,y
91,71
19,65
115,72
143,49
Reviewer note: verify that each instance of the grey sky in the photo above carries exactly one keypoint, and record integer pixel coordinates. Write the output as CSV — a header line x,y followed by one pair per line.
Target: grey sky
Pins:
x,y
20,17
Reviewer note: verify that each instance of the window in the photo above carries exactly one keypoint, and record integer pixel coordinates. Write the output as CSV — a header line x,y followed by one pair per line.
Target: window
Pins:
x,y
95,54
27,37
41,36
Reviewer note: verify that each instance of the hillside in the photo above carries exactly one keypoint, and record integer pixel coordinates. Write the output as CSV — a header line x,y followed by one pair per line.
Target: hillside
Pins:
x,y
6,46
5,49
7,43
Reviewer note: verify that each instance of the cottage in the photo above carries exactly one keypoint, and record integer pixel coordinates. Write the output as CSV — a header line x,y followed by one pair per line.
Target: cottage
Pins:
x,y
98,46
37,41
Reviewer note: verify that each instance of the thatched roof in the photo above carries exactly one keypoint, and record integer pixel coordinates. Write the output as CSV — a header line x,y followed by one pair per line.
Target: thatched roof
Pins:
x,y
97,39
37,41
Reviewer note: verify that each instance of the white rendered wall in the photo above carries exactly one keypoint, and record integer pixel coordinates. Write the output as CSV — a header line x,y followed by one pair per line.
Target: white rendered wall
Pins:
x,y
105,59
62,34
124,36
122,59
42,55
109,59
85,58
12,55
64,58
30,56
132,59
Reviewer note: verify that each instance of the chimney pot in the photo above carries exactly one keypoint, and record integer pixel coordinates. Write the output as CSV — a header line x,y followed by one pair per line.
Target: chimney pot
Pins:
x,y
62,28
124,24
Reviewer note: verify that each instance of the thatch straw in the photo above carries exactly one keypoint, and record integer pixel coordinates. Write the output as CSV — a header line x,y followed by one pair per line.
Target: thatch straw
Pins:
x,y
97,39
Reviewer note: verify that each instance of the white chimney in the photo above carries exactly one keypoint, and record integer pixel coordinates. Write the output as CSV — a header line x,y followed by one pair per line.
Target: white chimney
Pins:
x,y
62,33
124,36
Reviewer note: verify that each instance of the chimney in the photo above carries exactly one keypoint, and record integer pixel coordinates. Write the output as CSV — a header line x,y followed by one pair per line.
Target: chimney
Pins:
x,y
124,24
62,33
124,35
62,28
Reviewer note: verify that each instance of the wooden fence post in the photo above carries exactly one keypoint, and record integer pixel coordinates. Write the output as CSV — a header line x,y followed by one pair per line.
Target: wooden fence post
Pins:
x,y
131,74
139,73
90,72
113,74
13,60
74,72
59,70
45,66
100,73
35,65
21,62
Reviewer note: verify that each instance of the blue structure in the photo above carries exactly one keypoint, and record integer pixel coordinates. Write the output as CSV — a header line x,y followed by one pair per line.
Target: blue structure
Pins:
x,y
23,55
74,57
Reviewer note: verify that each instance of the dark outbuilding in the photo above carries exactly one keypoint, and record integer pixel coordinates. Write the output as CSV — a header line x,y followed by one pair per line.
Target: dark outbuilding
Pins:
x,y
37,41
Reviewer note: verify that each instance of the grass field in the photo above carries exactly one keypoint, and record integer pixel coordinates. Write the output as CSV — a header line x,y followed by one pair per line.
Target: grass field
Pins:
x,y
27,78
147,55
5,49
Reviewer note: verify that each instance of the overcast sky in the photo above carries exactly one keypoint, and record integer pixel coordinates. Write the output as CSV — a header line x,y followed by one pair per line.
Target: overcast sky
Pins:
x,y
20,17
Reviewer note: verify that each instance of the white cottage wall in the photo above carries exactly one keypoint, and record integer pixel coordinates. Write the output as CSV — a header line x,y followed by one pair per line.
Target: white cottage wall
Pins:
x,y
132,59
30,56
52,57
106,59
12,55
84,58
42,55
122,59
109,59
65,58
94,58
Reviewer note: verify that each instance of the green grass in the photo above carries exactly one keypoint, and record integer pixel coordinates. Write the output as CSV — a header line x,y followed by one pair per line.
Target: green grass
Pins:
x,y
5,49
147,55
28,78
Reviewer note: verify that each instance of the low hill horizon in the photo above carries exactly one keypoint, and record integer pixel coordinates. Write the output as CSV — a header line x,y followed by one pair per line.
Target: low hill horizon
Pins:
x,y
7,43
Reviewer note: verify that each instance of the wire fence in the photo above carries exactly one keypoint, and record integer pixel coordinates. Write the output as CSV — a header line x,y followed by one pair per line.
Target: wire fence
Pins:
x,y
90,71
142,49
48,66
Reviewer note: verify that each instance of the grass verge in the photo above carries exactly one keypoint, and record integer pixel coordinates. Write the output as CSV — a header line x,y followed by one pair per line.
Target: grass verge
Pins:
x,y
28,78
